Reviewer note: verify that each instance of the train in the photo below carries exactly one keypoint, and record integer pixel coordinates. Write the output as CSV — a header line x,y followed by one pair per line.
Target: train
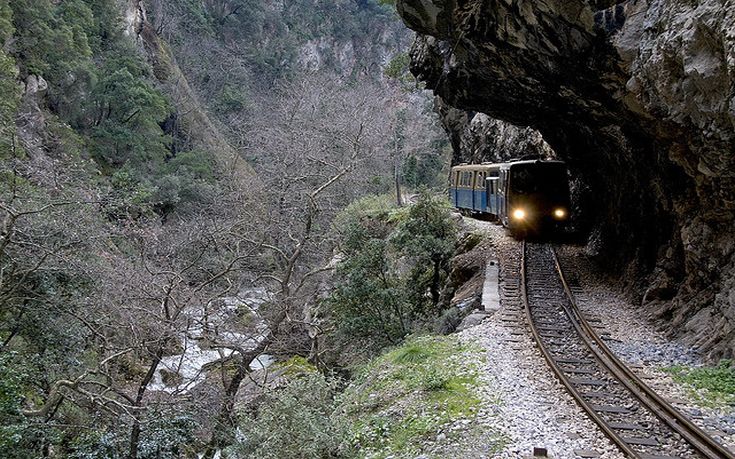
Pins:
x,y
524,196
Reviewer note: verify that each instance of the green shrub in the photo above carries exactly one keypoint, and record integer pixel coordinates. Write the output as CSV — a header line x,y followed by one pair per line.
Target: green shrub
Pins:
x,y
369,300
299,421
413,352
398,68
404,397
164,436
97,445
232,99
394,264
9,98
12,422
9,90
712,385
427,237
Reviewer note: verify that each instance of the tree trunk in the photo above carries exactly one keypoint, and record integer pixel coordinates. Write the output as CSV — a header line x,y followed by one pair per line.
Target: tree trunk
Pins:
x,y
435,282
135,430
397,177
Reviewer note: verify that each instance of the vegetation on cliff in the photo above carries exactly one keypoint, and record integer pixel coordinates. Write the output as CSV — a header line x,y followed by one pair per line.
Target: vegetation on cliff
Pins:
x,y
395,262
401,404
166,207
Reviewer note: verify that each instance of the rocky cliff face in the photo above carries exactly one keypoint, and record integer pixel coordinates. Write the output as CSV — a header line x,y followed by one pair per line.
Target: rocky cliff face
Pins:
x,y
476,137
638,97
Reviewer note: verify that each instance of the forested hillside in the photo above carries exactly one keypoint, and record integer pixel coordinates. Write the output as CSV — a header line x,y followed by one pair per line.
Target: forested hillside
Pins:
x,y
174,188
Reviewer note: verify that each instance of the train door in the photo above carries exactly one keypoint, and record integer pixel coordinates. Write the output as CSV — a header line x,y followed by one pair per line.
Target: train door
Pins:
x,y
464,190
453,183
478,192
502,197
491,191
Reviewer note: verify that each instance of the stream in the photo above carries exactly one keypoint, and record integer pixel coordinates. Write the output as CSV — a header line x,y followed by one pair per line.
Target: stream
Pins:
x,y
182,372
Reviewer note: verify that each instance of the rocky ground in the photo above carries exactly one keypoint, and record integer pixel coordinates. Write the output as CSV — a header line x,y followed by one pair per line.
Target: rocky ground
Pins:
x,y
638,97
523,400
630,333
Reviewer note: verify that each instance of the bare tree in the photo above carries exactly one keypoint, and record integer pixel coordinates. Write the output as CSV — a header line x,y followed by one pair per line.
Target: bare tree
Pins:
x,y
314,144
412,132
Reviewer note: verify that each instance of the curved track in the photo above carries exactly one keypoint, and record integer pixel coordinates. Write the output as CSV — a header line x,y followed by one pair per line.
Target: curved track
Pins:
x,y
633,416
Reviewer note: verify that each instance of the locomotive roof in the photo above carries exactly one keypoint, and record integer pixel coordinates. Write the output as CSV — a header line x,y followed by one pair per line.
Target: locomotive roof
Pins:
x,y
507,164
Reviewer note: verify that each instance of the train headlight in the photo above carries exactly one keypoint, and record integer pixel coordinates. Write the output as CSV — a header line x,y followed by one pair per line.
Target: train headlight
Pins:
x,y
519,214
560,213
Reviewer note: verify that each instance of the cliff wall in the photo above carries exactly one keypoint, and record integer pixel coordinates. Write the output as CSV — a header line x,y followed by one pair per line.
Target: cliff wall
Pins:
x,y
639,98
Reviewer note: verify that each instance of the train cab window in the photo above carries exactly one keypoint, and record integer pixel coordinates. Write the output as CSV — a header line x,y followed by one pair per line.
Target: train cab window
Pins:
x,y
549,179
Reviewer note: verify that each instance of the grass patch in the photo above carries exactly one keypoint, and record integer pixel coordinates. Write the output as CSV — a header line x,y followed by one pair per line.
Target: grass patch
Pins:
x,y
415,352
296,366
404,399
712,386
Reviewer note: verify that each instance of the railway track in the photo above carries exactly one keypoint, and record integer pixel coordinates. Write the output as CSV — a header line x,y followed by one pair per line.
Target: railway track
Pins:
x,y
635,418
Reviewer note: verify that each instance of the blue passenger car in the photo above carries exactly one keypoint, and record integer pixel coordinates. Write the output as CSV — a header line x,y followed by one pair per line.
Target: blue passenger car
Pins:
x,y
522,195
468,190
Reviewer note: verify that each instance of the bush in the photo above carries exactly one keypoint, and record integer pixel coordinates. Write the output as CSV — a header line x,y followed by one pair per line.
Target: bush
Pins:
x,y
9,98
165,436
12,423
9,91
394,264
427,238
398,68
298,421
370,300
380,209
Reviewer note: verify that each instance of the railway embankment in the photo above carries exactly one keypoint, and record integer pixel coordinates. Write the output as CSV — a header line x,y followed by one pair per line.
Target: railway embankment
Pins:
x,y
531,409
638,97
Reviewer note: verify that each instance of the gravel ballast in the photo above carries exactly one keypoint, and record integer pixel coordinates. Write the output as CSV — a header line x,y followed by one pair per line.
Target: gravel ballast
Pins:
x,y
630,333
522,398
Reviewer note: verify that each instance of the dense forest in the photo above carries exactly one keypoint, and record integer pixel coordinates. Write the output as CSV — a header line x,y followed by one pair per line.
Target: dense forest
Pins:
x,y
203,217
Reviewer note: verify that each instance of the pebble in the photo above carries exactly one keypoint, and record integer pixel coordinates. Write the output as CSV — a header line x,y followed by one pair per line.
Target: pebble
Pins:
x,y
524,403
527,403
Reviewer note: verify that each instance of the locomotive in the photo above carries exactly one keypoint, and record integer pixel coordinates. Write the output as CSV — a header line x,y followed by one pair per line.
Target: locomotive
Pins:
x,y
525,196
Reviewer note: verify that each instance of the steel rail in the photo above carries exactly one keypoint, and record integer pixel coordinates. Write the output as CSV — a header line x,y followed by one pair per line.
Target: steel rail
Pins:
x,y
619,442
695,436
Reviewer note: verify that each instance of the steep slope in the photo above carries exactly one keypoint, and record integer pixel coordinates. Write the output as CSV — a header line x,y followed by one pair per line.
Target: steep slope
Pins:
x,y
235,52
638,97
191,123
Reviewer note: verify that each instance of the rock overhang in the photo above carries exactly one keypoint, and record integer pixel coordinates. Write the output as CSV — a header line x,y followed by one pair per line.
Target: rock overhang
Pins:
x,y
637,96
